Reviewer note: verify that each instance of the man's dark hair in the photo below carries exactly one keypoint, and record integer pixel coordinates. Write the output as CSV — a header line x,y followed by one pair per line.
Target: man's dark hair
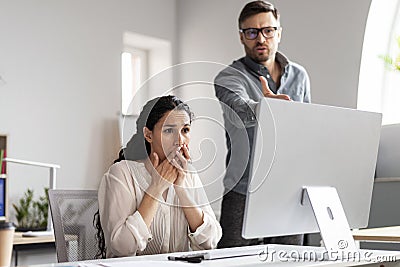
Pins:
x,y
256,7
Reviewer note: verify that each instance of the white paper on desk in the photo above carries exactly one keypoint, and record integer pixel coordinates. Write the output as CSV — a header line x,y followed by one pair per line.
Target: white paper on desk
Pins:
x,y
141,263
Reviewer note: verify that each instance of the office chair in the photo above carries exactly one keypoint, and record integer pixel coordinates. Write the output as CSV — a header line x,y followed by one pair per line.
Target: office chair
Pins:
x,y
72,212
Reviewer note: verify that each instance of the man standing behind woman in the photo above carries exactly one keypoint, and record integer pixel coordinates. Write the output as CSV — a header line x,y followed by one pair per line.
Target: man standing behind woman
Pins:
x,y
263,72
150,200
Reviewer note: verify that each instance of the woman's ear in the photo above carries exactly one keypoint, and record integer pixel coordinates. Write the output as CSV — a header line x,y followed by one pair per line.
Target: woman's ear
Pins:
x,y
148,135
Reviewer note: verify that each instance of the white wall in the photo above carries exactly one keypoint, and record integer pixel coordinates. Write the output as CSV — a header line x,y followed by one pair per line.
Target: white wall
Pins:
x,y
324,36
61,64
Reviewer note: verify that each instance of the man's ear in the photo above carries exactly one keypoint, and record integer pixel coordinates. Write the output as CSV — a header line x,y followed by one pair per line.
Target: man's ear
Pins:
x,y
279,34
148,135
241,38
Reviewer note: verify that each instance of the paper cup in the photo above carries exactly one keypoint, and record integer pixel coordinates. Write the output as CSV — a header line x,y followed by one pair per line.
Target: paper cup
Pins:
x,y
6,240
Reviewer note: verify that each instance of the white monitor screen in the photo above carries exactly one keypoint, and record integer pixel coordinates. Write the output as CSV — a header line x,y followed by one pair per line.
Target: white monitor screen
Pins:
x,y
297,145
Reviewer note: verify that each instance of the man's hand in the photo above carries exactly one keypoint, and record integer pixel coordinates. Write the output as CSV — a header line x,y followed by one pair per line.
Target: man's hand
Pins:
x,y
268,93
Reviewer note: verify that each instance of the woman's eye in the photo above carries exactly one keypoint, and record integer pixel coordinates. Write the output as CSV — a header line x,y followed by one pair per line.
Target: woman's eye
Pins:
x,y
186,130
169,130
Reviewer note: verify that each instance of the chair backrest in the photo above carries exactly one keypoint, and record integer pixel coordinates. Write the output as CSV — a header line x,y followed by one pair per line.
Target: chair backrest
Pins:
x,y
72,212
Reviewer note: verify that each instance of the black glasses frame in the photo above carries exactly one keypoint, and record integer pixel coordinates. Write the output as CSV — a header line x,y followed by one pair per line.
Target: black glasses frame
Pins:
x,y
258,32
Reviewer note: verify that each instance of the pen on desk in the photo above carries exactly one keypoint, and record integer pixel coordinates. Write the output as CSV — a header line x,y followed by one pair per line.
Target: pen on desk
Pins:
x,y
191,259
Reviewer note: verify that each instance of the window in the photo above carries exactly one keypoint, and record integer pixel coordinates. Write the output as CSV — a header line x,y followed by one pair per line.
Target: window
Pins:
x,y
379,88
134,73
143,57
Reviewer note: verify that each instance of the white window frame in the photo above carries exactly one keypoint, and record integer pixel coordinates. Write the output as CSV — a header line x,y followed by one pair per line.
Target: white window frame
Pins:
x,y
134,70
379,88
158,58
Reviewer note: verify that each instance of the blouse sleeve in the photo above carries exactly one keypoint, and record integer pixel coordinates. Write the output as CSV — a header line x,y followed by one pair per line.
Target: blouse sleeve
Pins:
x,y
209,232
124,228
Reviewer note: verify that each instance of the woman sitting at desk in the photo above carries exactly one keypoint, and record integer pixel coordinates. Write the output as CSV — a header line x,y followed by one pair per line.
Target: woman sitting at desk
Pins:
x,y
150,201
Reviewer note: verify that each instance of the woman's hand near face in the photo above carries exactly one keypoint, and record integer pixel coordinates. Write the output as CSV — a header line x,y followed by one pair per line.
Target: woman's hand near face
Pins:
x,y
163,175
193,214
180,162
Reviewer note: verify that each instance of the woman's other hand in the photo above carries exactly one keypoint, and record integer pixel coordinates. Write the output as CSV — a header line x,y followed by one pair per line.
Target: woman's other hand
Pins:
x,y
180,162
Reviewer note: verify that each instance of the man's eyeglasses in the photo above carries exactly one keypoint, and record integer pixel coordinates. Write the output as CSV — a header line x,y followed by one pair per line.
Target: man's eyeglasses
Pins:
x,y
252,33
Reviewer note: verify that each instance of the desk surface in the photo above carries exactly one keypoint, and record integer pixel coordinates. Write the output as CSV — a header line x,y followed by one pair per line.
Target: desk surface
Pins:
x,y
161,260
19,240
382,234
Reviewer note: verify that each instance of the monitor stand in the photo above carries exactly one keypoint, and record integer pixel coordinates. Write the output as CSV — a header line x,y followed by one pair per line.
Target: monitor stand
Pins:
x,y
332,222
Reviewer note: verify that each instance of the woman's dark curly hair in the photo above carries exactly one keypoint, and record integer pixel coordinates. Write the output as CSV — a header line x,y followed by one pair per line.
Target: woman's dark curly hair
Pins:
x,y
138,148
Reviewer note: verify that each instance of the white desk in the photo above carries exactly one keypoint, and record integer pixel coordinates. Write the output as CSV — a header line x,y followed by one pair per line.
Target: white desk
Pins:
x,y
27,243
381,234
161,260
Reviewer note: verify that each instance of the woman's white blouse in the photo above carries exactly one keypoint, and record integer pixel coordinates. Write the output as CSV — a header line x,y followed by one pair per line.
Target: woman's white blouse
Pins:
x,y
126,234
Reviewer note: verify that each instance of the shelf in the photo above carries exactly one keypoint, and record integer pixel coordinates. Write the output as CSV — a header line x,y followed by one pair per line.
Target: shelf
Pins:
x,y
387,179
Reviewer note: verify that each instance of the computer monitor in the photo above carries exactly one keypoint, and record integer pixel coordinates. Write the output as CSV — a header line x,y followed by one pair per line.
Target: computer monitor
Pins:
x,y
3,199
298,145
